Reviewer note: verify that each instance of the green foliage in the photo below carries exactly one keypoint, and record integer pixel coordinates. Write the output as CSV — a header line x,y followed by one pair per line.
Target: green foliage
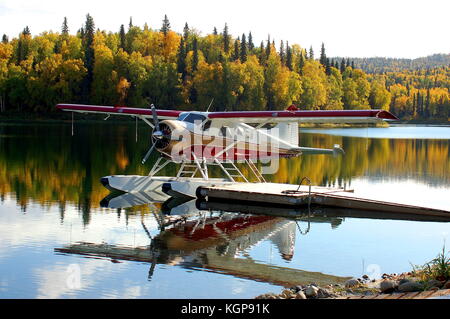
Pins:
x,y
438,268
140,66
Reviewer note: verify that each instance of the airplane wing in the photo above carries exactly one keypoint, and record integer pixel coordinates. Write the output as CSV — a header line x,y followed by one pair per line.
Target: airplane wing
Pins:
x,y
301,116
289,115
119,110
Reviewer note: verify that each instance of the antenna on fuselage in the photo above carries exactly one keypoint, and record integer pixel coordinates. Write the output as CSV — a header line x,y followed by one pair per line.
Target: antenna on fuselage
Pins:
x,y
207,110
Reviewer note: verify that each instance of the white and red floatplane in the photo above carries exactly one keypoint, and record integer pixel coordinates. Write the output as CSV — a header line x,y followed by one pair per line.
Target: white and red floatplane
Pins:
x,y
197,140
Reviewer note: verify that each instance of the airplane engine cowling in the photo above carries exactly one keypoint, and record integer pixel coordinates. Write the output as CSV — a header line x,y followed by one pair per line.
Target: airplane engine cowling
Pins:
x,y
162,142
170,133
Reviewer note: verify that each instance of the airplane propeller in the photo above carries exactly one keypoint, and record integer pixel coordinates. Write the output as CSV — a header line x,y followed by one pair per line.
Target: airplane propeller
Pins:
x,y
157,135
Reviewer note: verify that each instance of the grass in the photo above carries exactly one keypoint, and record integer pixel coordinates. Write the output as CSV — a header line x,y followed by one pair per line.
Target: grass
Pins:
x,y
438,268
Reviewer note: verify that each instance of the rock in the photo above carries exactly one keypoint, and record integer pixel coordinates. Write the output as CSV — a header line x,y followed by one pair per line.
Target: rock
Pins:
x,y
368,293
434,283
296,288
446,285
286,294
410,286
351,283
402,281
311,291
300,295
324,293
387,286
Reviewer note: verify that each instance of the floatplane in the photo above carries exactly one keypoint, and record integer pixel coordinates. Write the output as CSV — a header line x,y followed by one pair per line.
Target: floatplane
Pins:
x,y
199,140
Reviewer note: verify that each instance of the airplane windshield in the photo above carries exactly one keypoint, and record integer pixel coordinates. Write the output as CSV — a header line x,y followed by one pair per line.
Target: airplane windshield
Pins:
x,y
192,117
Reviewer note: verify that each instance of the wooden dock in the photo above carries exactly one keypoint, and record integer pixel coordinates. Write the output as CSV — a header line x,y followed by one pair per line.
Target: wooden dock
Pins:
x,y
288,195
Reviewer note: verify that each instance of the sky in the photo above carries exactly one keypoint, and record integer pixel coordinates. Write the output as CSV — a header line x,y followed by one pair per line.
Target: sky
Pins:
x,y
348,28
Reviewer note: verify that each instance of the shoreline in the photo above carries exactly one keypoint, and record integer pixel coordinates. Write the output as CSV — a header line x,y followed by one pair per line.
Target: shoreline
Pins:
x,y
389,286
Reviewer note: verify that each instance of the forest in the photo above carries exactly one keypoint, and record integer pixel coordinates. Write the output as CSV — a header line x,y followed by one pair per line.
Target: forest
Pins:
x,y
380,65
137,66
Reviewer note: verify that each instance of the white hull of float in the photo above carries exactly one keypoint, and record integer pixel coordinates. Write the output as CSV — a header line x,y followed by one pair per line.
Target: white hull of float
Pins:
x,y
161,185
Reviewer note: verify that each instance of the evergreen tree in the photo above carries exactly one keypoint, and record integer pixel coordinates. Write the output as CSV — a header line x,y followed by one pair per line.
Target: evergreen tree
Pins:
x,y
353,64
5,39
165,26
311,53
186,32
26,31
81,33
427,111
122,37
419,104
130,25
261,57
282,55
89,30
186,36
268,47
243,53
301,63
65,27
226,39
342,69
193,95
288,56
327,67
20,55
181,59
251,46
215,31
194,55
323,56
235,55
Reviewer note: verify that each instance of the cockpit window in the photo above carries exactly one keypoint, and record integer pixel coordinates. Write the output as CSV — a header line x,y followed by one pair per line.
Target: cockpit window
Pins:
x,y
192,117
182,116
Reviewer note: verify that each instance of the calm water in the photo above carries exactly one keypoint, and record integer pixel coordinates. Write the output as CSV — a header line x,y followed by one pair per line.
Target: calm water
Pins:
x,y
50,210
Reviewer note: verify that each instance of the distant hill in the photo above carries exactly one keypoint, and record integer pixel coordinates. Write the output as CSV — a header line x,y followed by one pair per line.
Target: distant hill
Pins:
x,y
380,65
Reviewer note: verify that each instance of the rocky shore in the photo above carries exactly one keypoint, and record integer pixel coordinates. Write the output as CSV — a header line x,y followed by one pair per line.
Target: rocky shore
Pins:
x,y
388,284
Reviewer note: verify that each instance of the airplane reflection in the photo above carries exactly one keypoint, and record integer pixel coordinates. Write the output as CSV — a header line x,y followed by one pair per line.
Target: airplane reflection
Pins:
x,y
212,240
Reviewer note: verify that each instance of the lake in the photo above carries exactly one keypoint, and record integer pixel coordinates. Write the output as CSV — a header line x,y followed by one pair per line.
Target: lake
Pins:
x,y
57,241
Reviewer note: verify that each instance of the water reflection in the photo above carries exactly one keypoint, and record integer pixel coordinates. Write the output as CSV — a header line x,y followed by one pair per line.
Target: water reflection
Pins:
x,y
216,242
